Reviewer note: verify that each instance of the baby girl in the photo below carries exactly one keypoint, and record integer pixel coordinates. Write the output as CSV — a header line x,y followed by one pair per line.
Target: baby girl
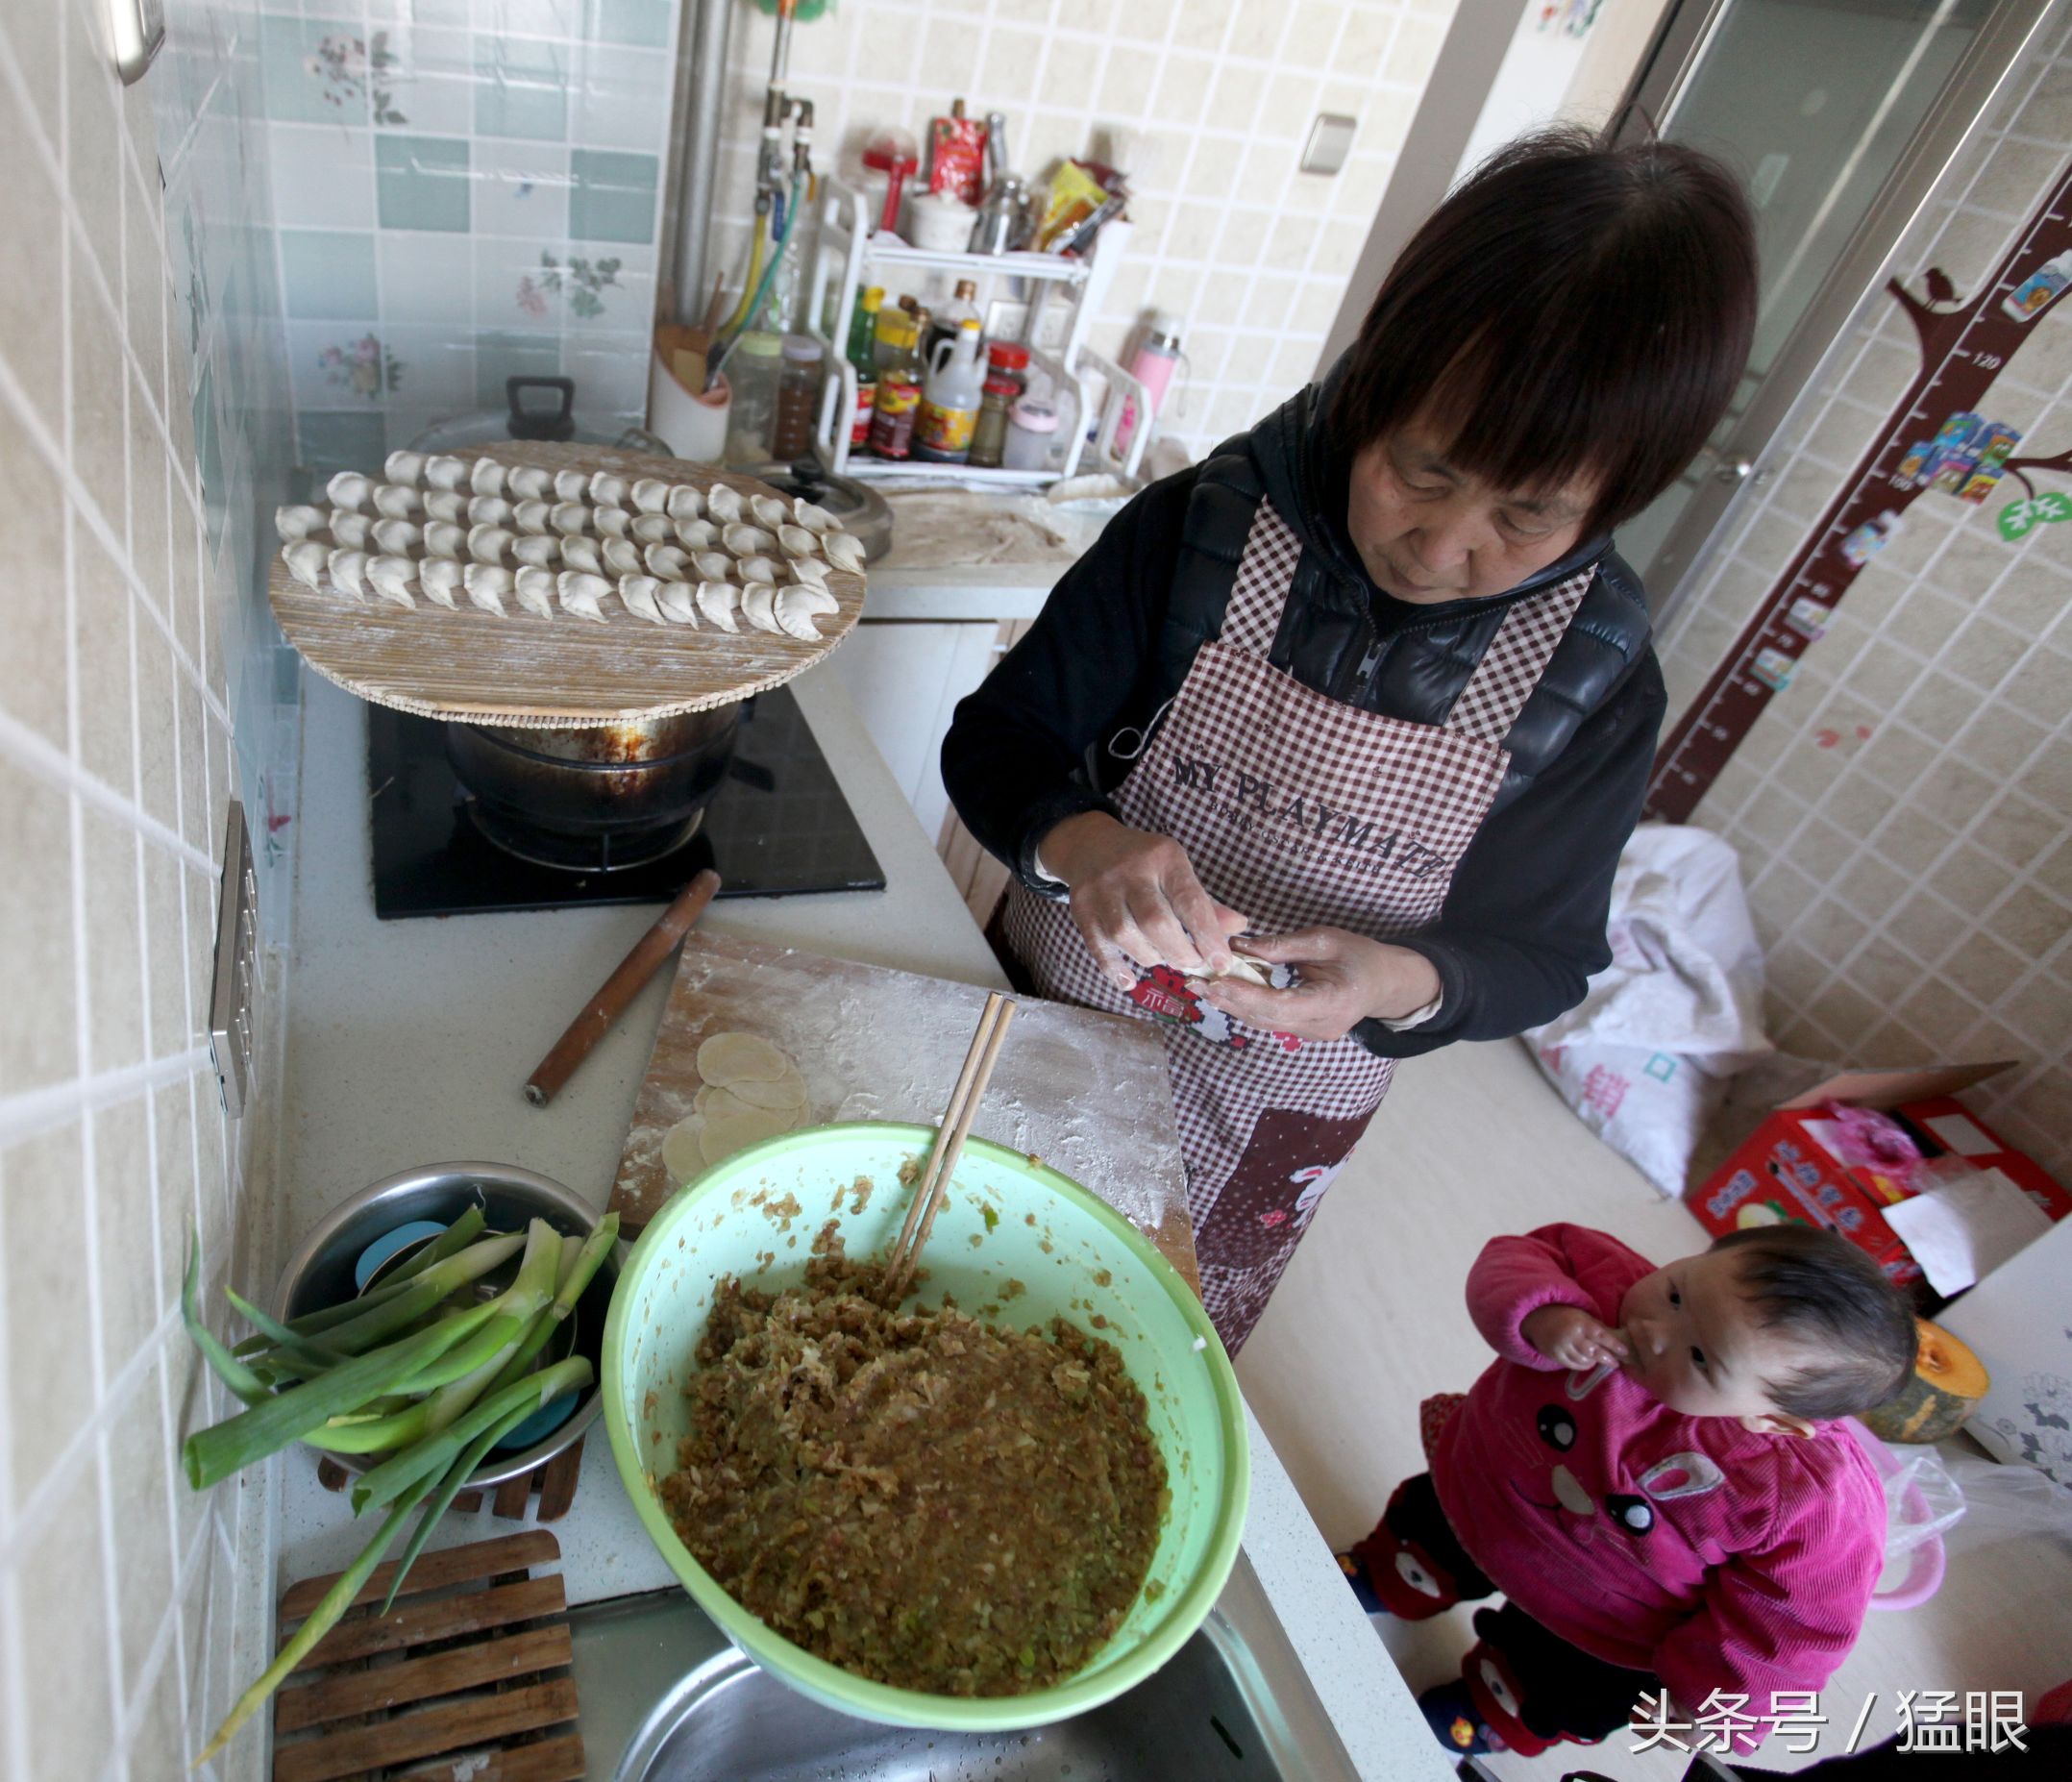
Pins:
x,y
1653,1476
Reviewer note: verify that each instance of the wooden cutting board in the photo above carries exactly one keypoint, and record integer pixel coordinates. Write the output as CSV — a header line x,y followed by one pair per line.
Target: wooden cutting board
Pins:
x,y
528,672
1086,1093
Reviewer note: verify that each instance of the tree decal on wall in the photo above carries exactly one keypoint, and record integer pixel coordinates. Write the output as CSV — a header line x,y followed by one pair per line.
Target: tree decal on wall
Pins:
x,y
1940,442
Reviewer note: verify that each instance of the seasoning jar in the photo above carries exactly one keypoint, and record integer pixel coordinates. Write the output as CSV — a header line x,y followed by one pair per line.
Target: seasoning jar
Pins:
x,y
752,370
1031,428
990,436
899,384
798,399
1009,359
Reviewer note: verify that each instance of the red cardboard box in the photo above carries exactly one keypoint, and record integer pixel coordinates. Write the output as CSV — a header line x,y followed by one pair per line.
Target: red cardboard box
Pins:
x,y
1944,1126
1784,1172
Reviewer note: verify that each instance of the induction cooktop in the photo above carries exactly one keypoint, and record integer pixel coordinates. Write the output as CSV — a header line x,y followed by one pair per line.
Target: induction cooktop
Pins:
x,y
778,825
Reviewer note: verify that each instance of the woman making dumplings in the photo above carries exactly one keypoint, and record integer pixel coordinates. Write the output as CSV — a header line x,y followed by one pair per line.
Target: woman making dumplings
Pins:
x,y
1368,687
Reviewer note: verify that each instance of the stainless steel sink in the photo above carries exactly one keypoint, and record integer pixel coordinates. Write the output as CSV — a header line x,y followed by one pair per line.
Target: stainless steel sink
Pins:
x,y
666,1699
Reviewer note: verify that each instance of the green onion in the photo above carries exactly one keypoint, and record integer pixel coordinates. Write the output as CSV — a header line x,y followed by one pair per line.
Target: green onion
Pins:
x,y
251,1387
448,1489
306,1353
412,1370
456,1238
431,1457
215,1453
322,1620
422,1294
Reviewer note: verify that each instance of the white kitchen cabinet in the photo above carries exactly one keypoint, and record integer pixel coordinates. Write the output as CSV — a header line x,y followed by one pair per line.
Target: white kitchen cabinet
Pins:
x,y
905,678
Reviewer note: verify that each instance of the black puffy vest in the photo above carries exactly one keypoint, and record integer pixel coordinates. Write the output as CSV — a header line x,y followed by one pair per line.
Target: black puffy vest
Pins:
x,y
1328,638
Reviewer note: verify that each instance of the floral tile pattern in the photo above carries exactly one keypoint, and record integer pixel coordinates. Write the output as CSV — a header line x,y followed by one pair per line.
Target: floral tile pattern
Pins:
x,y
466,193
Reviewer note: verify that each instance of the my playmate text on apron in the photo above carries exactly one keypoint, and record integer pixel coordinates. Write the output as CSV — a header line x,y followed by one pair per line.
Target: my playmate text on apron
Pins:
x,y
1301,811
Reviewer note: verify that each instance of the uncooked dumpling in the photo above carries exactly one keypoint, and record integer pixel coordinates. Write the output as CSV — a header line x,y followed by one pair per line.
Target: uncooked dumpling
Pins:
x,y
682,1157
727,1059
722,1138
1245,970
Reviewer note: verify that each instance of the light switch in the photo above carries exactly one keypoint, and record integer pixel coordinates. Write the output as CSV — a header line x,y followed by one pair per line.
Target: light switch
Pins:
x,y
1331,141
136,27
234,992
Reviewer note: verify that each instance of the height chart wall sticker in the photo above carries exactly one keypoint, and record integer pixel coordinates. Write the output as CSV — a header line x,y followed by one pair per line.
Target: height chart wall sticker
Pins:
x,y
1942,442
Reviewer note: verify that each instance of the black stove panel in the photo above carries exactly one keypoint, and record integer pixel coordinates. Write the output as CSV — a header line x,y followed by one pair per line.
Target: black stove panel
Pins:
x,y
779,825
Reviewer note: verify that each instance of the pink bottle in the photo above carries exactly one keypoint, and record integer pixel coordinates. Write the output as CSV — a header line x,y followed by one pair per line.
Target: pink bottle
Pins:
x,y
1151,365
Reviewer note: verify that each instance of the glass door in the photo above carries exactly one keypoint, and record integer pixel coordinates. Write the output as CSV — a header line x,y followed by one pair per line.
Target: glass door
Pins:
x,y
1839,115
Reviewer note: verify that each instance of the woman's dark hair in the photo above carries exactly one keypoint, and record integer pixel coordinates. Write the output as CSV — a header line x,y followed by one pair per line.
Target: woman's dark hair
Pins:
x,y
1583,309
1832,1297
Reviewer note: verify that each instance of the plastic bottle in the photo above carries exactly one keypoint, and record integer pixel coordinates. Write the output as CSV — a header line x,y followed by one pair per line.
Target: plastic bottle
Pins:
x,y
1152,364
990,435
798,399
950,404
862,355
1031,428
899,384
948,318
752,372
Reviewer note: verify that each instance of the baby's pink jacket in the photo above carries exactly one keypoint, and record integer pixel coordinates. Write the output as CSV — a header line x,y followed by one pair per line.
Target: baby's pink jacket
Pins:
x,y
1717,1559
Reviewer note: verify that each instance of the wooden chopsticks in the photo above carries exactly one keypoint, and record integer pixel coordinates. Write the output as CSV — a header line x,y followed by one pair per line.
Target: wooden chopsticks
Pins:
x,y
905,1253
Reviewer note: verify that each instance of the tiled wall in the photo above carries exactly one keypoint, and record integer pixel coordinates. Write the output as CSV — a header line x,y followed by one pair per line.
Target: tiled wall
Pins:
x,y
1904,810
467,190
141,402
1218,95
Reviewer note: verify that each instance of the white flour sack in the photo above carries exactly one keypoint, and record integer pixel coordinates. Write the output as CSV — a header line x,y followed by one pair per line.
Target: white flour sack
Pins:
x,y
1645,1058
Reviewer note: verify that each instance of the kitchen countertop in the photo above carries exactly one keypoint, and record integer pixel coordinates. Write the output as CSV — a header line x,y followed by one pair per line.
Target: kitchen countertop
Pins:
x,y
933,578
407,1044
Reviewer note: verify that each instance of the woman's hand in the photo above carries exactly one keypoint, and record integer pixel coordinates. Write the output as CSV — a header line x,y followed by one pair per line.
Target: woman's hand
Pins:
x,y
1343,980
1573,1337
1135,897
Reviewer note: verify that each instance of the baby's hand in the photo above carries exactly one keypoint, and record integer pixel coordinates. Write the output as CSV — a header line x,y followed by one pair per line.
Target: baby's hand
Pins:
x,y
1570,1336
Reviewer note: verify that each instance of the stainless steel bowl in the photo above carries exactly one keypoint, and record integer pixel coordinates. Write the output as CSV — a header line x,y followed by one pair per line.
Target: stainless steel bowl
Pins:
x,y
320,1272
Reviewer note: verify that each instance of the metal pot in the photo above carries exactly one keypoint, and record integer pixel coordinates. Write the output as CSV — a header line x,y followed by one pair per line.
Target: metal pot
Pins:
x,y
536,409
861,509
321,1271
600,778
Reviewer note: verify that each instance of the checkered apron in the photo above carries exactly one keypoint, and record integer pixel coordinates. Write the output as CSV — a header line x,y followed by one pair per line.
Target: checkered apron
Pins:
x,y
1301,811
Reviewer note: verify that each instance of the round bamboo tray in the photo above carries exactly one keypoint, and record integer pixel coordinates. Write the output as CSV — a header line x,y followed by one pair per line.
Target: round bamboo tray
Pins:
x,y
527,672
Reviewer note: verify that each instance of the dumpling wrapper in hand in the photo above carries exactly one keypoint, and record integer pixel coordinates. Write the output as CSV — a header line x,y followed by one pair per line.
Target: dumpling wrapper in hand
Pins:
x,y
1242,970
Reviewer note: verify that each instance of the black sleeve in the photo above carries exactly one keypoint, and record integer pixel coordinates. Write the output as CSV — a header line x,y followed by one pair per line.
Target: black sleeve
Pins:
x,y
1523,925
1011,760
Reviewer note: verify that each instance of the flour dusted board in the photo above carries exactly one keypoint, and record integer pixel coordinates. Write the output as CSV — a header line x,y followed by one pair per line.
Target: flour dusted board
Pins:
x,y
523,671
1086,1093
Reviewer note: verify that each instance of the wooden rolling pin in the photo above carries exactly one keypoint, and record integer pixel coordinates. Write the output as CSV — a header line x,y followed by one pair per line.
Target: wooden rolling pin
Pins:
x,y
620,989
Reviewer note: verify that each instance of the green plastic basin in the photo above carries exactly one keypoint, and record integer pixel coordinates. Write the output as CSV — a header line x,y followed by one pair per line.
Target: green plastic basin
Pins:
x,y
756,1215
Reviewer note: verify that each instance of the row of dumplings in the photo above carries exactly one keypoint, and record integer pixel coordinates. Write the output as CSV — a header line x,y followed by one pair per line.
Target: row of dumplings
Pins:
x,y
573,500
791,610
653,545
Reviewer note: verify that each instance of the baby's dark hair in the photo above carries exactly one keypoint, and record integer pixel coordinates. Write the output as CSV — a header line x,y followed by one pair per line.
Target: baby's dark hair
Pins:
x,y
1824,1291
